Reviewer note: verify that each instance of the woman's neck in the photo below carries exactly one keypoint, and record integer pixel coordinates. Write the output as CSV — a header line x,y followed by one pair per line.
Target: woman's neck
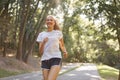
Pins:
x,y
49,30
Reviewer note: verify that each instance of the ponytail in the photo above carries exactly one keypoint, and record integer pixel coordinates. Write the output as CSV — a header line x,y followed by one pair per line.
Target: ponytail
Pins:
x,y
56,26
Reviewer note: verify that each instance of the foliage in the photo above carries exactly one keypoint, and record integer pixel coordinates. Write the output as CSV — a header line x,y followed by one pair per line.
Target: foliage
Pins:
x,y
90,27
108,11
108,14
23,19
107,72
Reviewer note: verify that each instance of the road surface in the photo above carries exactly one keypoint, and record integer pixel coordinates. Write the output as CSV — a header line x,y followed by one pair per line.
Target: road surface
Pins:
x,y
71,71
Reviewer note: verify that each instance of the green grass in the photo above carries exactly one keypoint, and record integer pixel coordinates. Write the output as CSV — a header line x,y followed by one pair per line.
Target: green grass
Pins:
x,y
4,73
107,72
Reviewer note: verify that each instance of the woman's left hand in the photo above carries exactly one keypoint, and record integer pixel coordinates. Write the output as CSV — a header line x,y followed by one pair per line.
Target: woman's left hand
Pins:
x,y
65,54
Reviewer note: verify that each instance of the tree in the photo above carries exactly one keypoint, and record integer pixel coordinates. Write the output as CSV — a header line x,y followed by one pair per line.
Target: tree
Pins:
x,y
108,11
21,22
5,24
27,38
73,29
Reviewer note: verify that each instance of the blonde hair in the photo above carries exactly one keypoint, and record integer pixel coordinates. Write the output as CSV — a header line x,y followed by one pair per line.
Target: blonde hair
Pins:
x,y
56,26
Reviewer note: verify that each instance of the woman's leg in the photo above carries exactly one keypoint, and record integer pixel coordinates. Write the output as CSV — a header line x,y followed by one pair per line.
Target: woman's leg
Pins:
x,y
45,74
54,71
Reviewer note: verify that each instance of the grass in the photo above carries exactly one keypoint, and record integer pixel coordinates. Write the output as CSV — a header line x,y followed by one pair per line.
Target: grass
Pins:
x,y
11,67
4,73
107,72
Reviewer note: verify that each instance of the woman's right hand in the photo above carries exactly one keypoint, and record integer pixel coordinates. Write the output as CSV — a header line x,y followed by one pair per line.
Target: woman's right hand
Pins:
x,y
45,40
41,45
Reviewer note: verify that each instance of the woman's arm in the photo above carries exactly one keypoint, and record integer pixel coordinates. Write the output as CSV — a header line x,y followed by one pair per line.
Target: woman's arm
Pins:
x,y
62,47
41,46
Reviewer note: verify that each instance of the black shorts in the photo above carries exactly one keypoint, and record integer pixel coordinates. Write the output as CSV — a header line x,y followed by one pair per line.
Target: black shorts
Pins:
x,y
47,64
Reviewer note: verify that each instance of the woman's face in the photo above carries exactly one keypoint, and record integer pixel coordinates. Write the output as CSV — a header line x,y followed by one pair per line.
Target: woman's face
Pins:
x,y
50,21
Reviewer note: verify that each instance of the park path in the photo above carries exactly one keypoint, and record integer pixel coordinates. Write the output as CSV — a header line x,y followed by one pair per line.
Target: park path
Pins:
x,y
70,71
86,71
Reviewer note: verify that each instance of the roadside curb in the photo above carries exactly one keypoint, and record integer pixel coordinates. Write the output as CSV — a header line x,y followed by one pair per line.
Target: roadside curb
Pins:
x,y
69,67
65,68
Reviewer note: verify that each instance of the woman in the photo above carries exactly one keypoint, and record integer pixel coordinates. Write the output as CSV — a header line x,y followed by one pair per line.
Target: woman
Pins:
x,y
50,43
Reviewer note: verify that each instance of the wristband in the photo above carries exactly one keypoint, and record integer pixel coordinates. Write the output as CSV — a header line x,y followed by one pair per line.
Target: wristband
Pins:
x,y
65,52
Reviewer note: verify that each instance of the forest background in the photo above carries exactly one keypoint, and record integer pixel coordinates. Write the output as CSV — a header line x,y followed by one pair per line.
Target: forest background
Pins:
x,y
91,28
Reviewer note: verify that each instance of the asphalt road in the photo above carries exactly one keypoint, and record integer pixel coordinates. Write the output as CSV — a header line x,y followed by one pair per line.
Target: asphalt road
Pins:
x,y
84,72
71,71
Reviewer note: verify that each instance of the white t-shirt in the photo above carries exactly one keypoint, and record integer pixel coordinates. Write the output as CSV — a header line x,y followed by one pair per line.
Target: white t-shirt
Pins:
x,y
51,48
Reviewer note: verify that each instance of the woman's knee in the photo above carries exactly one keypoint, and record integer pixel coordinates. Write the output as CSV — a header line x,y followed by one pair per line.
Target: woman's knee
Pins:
x,y
45,74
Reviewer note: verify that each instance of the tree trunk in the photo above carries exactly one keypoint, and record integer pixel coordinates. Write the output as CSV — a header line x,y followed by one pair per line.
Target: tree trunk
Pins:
x,y
3,15
118,38
119,75
24,16
4,49
26,42
39,25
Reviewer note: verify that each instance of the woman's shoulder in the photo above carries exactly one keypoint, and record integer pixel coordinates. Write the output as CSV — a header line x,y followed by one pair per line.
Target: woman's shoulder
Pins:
x,y
42,33
58,31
